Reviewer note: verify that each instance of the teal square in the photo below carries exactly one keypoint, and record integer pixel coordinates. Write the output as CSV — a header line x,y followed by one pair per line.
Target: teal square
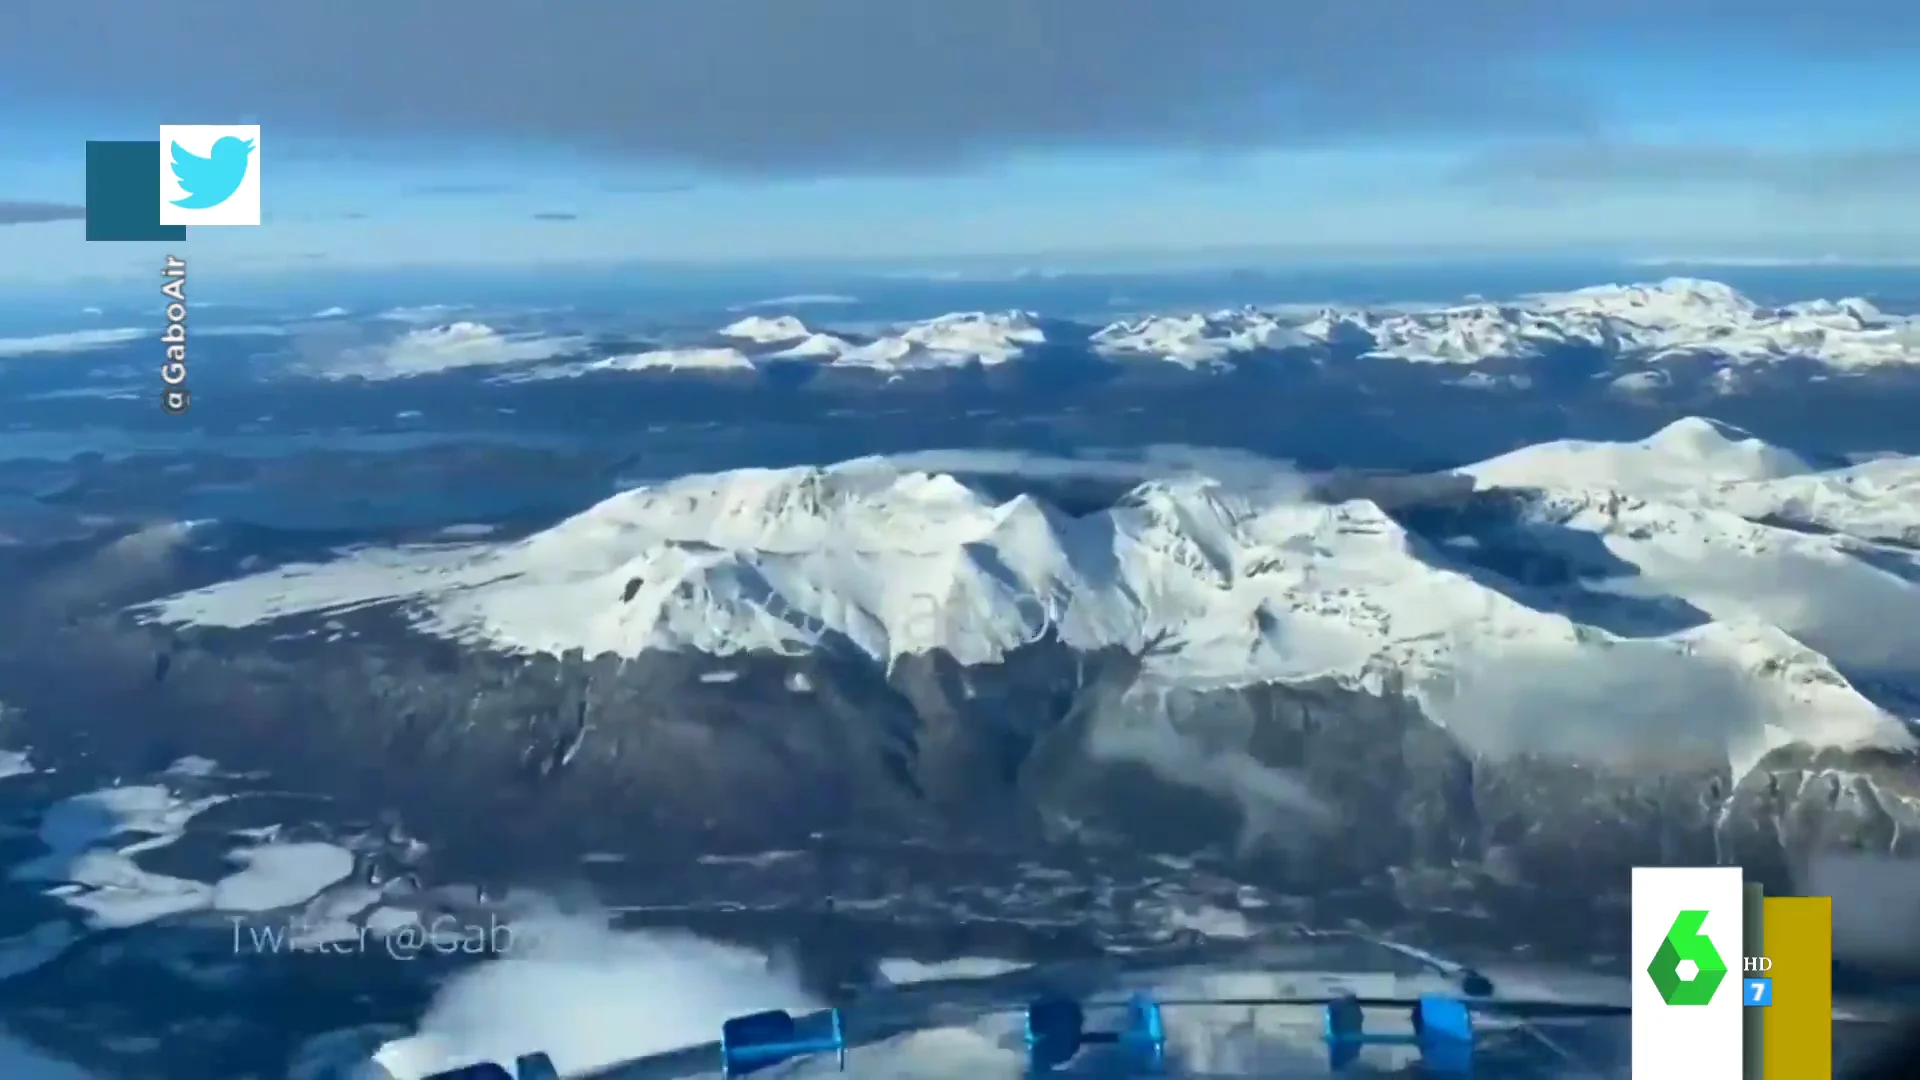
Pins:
x,y
123,193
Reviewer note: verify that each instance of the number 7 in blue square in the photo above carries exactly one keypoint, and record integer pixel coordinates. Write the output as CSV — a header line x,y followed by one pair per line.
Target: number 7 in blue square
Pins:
x,y
1759,992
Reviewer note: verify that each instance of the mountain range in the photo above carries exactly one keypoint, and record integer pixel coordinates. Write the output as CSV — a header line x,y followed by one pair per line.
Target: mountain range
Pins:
x,y
1654,324
1215,583
1527,673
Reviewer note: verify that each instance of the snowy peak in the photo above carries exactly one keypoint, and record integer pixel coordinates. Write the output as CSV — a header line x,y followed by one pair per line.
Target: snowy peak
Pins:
x,y
971,337
1853,313
1214,584
1669,303
1686,316
813,347
1699,439
1667,320
1647,336
767,330
1465,335
1196,340
960,338
1693,454
1874,500
990,338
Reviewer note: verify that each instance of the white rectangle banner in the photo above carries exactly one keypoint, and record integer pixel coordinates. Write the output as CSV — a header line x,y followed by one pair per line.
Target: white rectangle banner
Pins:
x,y
1689,926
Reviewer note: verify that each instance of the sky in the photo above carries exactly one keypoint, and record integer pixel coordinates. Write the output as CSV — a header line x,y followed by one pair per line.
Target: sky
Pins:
x,y
500,133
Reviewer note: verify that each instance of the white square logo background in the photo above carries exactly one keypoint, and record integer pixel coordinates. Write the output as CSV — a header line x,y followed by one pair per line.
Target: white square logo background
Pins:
x,y
243,208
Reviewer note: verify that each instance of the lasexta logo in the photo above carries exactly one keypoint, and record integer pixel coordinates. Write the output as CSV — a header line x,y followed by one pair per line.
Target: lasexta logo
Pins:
x,y
1687,969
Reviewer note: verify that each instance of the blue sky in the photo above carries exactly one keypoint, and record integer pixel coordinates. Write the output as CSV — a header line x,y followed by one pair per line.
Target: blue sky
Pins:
x,y
737,130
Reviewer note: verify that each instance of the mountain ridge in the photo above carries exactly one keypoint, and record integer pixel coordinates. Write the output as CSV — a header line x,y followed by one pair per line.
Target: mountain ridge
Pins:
x,y
1219,584
1643,329
1425,688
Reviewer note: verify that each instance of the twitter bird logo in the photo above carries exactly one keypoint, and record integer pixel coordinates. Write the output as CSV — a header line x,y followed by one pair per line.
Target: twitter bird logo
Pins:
x,y
210,174
211,180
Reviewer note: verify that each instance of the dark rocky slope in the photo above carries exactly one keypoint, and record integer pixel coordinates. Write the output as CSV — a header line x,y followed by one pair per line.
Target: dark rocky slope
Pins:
x,y
559,756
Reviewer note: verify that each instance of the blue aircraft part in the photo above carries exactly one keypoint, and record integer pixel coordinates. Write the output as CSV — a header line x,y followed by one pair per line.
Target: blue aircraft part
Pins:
x,y
1442,1032
526,1067
535,1067
484,1070
764,1039
1345,1031
1443,1027
1146,1032
1056,1031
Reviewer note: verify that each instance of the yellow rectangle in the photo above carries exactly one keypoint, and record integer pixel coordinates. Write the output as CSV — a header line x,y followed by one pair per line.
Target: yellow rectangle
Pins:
x,y
1797,935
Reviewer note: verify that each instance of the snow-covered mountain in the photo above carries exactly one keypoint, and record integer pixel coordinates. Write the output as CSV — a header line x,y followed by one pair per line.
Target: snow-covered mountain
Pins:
x,y
1686,459
1642,332
1528,675
1195,340
767,330
943,341
1654,323
1217,585
1666,320
1873,500
1706,464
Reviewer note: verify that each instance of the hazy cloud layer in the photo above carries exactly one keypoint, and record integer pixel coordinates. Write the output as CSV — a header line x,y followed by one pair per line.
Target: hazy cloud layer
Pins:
x,y
29,212
1892,169
455,190
871,85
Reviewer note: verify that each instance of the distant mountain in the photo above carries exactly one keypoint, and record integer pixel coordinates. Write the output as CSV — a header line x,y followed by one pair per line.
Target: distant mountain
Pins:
x,y
1710,464
1675,318
1639,332
960,338
1682,460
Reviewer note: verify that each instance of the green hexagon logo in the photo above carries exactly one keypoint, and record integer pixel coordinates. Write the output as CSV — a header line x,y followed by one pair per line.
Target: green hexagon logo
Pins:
x,y
1686,944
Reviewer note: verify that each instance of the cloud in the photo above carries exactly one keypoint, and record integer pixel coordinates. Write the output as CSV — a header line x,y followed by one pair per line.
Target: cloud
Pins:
x,y
647,189
1891,169
796,300
431,350
1633,704
772,86
445,190
590,996
30,212
74,341
555,215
